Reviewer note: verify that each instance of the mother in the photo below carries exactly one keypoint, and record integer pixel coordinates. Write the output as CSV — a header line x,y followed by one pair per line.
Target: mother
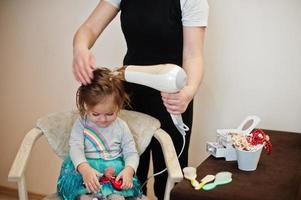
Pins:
x,y
156,32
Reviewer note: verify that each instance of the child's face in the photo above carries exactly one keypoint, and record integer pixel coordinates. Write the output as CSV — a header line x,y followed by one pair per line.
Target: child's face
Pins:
x,y
104,113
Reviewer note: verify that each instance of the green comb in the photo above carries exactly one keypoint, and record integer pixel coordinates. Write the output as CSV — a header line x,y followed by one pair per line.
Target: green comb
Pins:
x,y
221,178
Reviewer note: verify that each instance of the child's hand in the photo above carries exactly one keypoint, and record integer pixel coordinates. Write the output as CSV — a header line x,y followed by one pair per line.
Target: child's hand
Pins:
x,y
127,177
90,177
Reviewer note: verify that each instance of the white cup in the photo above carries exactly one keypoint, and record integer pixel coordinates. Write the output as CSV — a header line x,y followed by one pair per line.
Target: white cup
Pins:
x,y
248,160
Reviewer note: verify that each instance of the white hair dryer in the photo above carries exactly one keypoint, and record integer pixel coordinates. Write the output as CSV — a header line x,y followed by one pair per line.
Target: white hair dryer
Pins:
x,y
165,77
168,78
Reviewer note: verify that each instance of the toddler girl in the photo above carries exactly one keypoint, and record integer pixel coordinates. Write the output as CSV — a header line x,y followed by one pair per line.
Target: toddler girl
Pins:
x,y
100,140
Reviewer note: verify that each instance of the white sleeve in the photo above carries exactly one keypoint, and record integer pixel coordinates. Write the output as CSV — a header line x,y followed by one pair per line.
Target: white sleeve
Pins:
x,y
194,12
115,3
76,143
128,146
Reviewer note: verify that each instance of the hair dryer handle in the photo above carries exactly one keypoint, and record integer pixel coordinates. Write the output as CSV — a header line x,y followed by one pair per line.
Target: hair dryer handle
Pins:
x,y
178,121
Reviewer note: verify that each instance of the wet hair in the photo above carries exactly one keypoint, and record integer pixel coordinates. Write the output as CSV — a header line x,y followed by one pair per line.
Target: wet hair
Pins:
x,y
103,84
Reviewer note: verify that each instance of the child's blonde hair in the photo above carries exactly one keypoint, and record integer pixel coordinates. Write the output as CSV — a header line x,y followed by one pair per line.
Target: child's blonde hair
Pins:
x,y
104,83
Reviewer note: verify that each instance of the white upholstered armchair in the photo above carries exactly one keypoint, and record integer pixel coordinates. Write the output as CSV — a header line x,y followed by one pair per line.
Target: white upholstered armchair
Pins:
x,y
56,128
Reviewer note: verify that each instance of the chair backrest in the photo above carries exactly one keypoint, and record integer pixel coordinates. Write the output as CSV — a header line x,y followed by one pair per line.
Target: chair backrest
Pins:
x,y
57,128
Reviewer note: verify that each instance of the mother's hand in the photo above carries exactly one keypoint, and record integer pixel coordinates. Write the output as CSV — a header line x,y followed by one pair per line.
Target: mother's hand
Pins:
x,y
83,65
176,103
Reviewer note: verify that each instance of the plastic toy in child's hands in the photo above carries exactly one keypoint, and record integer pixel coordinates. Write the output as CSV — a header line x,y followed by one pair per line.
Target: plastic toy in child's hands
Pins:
x,y
116,184
109,172
109,176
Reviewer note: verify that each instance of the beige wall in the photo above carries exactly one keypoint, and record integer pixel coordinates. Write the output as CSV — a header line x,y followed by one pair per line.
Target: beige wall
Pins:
x,y
253,66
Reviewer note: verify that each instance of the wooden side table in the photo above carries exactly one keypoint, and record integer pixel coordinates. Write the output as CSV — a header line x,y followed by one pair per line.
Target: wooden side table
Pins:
x,y
277,177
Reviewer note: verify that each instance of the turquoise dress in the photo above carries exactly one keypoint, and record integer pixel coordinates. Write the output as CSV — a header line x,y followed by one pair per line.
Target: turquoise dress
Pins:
x,y
70,181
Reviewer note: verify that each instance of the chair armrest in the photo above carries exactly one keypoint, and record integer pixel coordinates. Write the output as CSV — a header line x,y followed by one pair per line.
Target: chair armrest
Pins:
x,y
170,156
17,170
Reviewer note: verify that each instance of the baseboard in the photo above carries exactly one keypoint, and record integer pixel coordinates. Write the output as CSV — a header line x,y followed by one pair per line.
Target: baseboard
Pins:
x,y
11,192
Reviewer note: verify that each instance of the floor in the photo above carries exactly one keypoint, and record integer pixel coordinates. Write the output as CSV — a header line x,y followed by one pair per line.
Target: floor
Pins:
x,y
12,194
6,197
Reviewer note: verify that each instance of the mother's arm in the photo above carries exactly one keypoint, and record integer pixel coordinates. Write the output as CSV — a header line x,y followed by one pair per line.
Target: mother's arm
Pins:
x,y
193,64
85,37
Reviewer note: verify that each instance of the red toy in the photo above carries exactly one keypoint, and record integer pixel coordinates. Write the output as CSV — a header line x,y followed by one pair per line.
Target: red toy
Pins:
x,y
109,176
